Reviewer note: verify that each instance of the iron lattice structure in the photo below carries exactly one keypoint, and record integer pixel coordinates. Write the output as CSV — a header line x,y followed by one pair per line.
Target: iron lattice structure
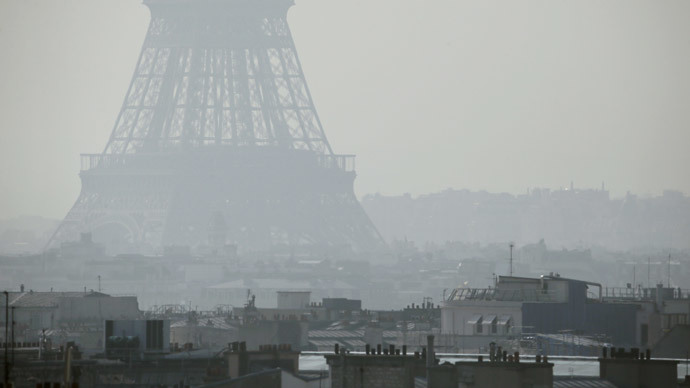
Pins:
x,y
217,142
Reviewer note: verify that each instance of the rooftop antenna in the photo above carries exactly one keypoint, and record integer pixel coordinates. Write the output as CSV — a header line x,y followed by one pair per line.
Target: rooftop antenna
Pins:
x,y
12,337
669,271
649,268
99,283
7,340
511,258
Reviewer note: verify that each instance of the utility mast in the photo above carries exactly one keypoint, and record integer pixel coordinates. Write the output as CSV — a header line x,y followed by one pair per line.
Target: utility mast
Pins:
x,y
511,258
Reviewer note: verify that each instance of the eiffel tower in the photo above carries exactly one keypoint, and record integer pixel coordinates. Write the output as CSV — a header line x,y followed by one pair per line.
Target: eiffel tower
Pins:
x,y
218,142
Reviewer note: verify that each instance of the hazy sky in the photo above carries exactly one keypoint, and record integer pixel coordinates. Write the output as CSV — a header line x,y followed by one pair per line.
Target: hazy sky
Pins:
x,y
494,95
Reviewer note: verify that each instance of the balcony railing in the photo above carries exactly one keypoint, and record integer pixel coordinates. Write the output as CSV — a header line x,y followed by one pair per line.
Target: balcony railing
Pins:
x,y
341,162
172,160
520,295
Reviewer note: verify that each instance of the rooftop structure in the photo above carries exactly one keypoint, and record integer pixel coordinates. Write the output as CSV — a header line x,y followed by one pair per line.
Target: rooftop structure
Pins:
x,y
551,288
550,305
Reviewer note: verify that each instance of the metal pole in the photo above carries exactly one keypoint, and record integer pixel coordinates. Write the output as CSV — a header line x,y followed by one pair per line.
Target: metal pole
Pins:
x,y
7,322
12,335
511,260
649,269
669,270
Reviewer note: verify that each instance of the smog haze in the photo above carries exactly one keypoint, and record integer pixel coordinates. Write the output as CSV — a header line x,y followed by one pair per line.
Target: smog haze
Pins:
x,y
497,96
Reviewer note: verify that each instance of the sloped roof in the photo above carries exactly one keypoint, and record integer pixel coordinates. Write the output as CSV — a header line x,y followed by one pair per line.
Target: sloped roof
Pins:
x,y
674,344
213,323
45,299
336,333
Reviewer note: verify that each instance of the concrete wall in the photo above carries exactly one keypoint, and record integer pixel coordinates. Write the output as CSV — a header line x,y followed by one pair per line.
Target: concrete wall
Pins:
x,y
293,299
294,333
647,315
627,373
557,289
489,375
264,379
355,371
34,319
96,308
291,381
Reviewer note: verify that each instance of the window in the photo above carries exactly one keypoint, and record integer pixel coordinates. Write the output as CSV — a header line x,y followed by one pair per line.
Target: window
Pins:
x,y
504,322
668,321
476,323
490,322
154,334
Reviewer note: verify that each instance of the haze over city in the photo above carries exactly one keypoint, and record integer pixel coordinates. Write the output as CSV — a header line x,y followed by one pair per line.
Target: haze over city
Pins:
x,y
385,194
495,96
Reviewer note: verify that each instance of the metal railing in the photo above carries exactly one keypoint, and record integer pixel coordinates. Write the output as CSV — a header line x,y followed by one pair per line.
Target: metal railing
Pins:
x,y
341,162
639,293
168,160
519,295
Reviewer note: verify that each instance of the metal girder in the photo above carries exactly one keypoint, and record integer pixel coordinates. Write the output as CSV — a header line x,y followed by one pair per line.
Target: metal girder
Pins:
x,y
217,78
218,124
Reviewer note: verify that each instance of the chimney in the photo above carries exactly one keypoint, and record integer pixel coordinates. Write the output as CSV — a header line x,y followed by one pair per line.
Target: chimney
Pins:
x,y
430,354
659,295
430,358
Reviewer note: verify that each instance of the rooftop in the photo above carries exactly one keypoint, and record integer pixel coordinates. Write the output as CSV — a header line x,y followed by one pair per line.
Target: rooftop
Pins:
x,y
45,299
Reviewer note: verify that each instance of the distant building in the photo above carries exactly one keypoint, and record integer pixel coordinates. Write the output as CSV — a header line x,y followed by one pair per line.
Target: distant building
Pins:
x,y
38,310
84,248
550,304
294,299
235,292
139,339
342,304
